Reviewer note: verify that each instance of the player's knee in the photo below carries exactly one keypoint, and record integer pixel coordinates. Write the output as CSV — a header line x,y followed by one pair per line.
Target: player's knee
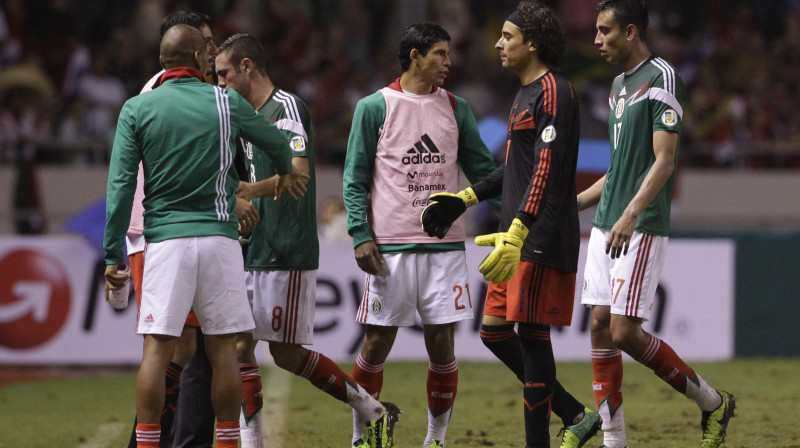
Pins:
x,y
287,356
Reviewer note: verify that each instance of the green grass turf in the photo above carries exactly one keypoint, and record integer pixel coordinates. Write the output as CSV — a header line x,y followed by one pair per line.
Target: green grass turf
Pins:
x,y
97,411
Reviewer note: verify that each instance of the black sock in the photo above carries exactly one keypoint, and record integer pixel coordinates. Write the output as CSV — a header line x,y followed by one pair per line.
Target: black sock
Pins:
x,y
565,405
540,375
503,341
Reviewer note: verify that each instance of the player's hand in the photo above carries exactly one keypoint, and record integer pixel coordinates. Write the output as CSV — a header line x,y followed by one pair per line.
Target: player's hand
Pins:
x,y
293,184
245,191
443,209
369,259
113,279
500,265
619,238
247,214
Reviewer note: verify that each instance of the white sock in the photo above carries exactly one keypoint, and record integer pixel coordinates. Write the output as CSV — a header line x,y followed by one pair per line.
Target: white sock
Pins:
x,y
614,435
251,433
437,427
706,397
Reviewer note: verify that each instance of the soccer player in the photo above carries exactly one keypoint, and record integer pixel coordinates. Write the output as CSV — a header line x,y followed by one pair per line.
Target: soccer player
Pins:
x,y
630,229
533,266
407,140
187,347
186,126
283,255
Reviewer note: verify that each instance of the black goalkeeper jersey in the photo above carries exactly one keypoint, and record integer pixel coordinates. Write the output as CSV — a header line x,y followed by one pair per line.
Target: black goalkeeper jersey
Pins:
x,y
538,178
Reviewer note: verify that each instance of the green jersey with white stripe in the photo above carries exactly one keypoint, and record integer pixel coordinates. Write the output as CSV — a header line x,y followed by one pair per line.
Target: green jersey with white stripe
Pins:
x,y
647,99
286,238
184,133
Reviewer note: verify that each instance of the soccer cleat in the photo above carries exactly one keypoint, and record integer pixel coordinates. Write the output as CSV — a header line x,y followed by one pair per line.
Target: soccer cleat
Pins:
x,y
435,444
360,443
379,431
715,423
577,435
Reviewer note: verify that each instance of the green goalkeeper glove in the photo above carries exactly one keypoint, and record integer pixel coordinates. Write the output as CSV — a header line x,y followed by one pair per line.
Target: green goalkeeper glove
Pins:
x,y
443,209
500,265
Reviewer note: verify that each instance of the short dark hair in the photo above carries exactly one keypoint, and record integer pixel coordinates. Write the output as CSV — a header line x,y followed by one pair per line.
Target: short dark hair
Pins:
x,y
628,12
243,45
422,36
541,26
190,18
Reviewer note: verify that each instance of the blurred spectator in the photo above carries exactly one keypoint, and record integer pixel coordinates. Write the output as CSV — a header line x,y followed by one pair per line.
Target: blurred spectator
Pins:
x,y
739,59
24,94
333,220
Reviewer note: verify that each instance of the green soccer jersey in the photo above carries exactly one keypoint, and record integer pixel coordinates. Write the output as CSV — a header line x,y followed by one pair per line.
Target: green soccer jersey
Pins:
x,y
286,238
184,133
647,99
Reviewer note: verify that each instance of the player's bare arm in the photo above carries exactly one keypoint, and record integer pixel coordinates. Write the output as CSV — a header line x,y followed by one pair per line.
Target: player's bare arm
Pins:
x,y
368,257
293,183
665,144
591,196
247,214
267,187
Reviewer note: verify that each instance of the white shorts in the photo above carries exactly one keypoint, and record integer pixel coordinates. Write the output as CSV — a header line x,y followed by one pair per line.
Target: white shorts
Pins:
x,y
626,284
434,284
283,304
204,273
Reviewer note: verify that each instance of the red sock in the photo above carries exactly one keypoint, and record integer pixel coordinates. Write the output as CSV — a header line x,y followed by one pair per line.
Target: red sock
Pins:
x,y
148,435
252,393
666,364
442,386
227,435
607,384
369,376
325,375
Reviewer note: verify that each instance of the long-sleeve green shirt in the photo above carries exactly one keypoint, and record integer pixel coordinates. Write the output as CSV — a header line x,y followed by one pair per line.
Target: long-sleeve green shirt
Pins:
x,y
184,134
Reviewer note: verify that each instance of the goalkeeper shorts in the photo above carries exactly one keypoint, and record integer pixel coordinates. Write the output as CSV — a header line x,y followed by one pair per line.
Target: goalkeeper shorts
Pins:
x,y
535,294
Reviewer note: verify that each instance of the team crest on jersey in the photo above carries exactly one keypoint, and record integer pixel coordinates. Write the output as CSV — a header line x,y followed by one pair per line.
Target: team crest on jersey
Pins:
x,y
669,118
549,134
298,143
377,305
620,108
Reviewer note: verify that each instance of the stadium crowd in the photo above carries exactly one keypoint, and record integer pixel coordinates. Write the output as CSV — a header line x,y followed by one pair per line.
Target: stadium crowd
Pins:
x,y
66,67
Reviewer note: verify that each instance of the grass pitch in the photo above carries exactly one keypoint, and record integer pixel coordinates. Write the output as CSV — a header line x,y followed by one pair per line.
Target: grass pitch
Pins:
x,y
97,411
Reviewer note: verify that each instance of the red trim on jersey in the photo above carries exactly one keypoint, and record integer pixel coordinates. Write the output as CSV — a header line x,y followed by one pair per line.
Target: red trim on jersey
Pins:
x,y
550,93
539,182
396,86
177,73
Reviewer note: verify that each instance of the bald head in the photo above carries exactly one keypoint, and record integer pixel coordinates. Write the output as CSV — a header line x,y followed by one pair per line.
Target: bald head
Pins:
x,y
184,46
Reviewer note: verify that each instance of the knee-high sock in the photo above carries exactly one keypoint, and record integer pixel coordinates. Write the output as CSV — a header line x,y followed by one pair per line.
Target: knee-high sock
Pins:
x,y
442,386
251,430
329,378
148,435
540,374
668,366
227,435
503,341
252,393
607,387
370,377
